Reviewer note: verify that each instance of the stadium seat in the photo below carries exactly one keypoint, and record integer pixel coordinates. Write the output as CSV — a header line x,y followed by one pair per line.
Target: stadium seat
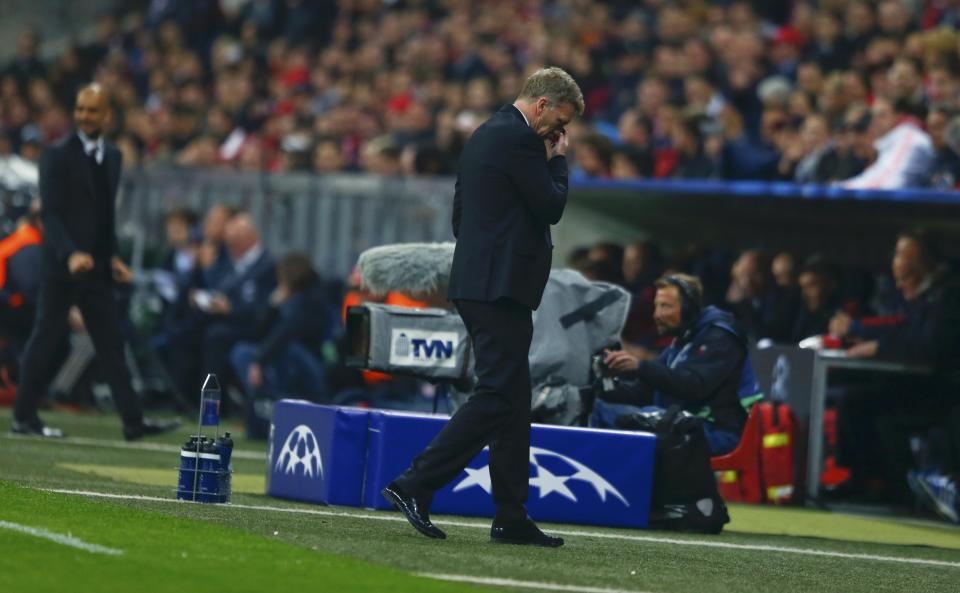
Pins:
x,y
738,472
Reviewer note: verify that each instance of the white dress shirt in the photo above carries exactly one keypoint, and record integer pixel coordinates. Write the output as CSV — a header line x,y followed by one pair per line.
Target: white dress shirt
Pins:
x,y
92,147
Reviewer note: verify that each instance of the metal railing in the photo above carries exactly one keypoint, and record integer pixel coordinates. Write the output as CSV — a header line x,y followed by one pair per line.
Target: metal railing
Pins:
x,y
332,218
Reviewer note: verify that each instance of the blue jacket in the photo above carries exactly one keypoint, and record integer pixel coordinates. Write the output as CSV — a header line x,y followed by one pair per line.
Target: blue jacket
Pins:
x,y
706,370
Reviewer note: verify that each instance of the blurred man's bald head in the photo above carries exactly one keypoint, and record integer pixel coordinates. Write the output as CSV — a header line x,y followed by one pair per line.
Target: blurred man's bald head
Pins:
x,y
92,110
240,235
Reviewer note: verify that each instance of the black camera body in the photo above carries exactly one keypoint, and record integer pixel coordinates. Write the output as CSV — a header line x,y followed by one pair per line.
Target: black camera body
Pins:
x,y
599,366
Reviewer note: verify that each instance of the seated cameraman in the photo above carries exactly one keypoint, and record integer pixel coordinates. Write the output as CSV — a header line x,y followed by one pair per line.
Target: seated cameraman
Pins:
x,y
705,369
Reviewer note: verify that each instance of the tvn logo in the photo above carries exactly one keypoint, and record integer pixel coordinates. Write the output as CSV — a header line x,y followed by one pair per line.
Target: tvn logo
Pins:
x,y
418,348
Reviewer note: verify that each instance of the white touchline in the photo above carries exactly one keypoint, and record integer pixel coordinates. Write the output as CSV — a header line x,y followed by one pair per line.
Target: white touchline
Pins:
x,y
463,578
66,540
114,444
574,533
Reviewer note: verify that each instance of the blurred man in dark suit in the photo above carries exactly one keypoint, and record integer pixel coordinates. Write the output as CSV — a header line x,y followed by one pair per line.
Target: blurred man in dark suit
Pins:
x,y
230,306
511,186
78,185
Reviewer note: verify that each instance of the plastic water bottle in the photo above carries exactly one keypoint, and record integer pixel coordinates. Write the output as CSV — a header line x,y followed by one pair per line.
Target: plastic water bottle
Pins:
x,y
210,467
188,470
225,446
210,401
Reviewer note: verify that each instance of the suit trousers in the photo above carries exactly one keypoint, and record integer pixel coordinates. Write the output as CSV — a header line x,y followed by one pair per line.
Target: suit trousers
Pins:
x,y
94,296
497,414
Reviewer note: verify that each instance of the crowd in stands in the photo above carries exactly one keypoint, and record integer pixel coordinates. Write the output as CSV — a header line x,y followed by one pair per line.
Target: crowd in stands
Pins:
x,y
913,313
859,93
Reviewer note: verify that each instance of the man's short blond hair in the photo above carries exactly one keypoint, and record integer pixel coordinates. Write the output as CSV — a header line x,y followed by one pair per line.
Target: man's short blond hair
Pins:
x,y
554,84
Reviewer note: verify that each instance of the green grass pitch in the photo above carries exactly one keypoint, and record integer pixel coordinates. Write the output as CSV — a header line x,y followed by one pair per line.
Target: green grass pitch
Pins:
x,y
93,513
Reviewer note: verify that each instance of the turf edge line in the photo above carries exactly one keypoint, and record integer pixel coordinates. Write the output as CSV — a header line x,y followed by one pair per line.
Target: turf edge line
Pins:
x,y
597,534
462,578
115,444
66,540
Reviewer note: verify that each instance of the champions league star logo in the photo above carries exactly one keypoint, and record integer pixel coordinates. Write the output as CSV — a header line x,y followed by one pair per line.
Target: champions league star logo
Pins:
x,y
300,450
546,481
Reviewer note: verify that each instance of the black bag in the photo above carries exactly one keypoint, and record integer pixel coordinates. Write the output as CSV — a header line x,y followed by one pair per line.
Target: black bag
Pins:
x,y
685,495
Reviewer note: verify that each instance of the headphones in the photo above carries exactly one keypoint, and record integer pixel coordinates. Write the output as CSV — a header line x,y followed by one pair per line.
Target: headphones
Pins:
x,y
690,304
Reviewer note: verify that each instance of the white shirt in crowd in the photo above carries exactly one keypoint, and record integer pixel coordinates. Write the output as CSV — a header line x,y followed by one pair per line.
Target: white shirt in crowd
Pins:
x,y
904,157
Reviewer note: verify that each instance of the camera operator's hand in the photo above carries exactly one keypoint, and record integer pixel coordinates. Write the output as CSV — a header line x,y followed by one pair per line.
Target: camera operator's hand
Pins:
x,y
620,362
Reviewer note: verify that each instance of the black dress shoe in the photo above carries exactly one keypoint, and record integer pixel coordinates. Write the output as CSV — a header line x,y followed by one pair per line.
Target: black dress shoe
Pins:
x,y
149,427
35,429
413,510
525,533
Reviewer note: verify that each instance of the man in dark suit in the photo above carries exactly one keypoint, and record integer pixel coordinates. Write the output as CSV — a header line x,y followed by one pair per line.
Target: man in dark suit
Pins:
x,y
231,306
511,186
78,183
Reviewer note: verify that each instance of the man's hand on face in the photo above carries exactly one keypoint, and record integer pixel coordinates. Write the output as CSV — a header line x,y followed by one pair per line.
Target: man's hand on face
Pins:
x,y
557,143
79,262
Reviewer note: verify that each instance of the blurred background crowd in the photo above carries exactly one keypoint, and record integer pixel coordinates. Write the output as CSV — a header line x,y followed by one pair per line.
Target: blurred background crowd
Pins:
x,y
863,93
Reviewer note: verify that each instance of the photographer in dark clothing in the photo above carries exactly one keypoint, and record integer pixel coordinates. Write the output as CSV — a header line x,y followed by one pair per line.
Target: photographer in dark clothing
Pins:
x,y
705,369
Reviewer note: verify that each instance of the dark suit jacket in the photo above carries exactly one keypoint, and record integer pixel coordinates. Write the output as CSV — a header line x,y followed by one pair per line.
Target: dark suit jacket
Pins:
x,y
76,217
506,197
248,292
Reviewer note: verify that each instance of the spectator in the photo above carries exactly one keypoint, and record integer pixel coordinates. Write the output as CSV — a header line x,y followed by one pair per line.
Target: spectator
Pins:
x,y
819,297
285,358
229,308
762,308
327,157
382,157
904,151
213,257
906,86
783,268
20,265
605,263
945,170
628,163
687,140
829,47
594,157
943,88
926,331
578,259
851,149
814,143
177,337
746,158
635,132
927,328
643,263
26,65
